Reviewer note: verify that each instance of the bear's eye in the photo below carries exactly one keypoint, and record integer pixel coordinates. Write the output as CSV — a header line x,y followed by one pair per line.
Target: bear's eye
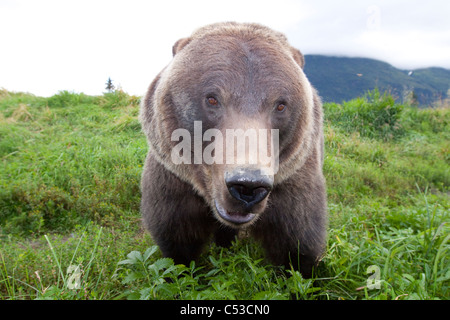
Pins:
x,y
281,107
212,101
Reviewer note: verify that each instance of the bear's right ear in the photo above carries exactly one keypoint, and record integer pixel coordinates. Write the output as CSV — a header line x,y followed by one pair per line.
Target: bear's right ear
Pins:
x,y
180,44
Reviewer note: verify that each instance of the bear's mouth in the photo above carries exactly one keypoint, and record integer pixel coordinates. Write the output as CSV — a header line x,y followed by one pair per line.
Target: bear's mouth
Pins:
x,y
236,218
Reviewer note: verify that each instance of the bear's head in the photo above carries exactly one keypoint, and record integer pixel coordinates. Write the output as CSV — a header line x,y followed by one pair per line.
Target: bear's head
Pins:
x,y
232,114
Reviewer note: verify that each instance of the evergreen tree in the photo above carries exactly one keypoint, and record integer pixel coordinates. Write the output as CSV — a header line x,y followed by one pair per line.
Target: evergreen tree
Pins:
x,y
109,85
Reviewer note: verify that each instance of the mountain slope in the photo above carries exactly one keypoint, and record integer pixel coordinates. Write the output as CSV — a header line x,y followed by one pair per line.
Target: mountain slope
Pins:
x,y
341,78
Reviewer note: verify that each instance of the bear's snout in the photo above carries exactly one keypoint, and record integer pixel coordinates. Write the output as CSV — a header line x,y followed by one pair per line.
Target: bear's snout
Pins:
x,y
250,187
244,195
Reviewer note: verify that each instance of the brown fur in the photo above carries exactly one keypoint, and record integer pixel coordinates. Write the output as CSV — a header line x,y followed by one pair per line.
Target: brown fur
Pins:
x,y
250,68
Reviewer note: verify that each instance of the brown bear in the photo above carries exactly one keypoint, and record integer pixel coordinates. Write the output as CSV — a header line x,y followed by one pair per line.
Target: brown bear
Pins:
x,y
245,81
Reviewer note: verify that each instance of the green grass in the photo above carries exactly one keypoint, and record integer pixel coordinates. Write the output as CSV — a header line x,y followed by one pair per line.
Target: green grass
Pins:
x,y
70,227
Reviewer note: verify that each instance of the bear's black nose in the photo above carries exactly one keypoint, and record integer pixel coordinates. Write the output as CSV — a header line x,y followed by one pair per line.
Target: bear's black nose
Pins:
x,y
249,187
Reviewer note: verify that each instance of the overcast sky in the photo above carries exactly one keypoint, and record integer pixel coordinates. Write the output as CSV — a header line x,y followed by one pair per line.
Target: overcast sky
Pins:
x,y
75,45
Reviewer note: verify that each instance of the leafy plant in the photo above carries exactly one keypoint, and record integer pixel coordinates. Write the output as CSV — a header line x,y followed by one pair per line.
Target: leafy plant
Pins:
x,y
375,115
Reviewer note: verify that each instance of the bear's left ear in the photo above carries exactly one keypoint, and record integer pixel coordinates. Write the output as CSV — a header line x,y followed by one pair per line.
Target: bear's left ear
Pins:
x,y
180,44
298,57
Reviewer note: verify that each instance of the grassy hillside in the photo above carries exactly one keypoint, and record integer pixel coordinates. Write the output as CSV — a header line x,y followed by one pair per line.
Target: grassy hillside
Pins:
x,y
70,226
341,78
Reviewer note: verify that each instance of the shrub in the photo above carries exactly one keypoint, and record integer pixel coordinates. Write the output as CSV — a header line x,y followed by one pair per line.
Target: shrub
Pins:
x,y
66,98
375,115
118,99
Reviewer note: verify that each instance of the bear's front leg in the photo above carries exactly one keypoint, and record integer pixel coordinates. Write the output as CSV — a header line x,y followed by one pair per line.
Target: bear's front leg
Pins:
x,y
176,217
293,228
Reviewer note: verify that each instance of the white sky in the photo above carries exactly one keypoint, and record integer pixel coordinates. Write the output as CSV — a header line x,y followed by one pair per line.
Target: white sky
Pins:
x,y
75,45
